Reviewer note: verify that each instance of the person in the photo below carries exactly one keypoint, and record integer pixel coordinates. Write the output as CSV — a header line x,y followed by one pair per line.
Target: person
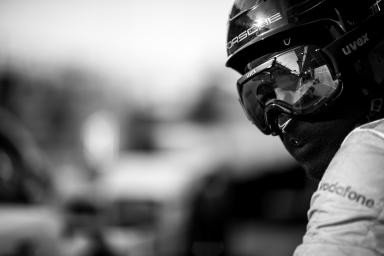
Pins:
x,y
337,132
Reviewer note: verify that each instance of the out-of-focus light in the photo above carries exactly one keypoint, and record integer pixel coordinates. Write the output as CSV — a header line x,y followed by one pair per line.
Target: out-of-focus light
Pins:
x,y
258,22
101,138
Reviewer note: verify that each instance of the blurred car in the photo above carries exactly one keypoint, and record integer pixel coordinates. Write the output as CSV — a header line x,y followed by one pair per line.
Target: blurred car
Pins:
x,y
147,198
29,223
29,231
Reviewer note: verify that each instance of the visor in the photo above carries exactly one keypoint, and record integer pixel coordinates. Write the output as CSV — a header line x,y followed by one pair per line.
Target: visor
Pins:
x,y
298,81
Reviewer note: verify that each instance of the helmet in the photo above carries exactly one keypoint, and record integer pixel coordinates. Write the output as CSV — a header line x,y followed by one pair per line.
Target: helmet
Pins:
x,y
299,48
254,24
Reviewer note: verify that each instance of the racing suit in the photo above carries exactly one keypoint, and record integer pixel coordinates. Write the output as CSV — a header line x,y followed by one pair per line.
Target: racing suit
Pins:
x,y
346,212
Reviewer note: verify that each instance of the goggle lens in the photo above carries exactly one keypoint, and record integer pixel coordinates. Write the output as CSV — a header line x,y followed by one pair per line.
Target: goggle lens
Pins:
x,y
299,81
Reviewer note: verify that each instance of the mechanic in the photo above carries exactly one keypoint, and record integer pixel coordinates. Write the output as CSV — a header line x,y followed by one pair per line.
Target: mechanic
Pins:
x,y
312,74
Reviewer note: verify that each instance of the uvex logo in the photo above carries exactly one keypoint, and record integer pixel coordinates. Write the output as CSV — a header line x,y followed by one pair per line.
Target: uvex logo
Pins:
x,y
348,49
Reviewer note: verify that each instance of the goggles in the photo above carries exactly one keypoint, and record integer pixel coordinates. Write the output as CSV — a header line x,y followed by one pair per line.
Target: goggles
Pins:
x,y
305,78
298,81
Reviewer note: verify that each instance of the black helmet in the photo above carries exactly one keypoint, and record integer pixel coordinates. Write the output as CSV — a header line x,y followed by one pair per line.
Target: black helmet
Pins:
x,y
255,25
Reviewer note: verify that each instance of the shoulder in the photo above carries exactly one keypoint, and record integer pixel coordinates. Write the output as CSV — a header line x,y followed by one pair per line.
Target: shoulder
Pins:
x,y
346,210
362,151
375,127
368,134
359,162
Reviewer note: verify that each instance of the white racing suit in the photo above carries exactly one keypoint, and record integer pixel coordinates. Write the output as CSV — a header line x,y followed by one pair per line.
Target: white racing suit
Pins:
x,y
346,214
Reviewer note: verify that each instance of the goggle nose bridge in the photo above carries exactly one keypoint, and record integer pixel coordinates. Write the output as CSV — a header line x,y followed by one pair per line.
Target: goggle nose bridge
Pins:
x,y
271,112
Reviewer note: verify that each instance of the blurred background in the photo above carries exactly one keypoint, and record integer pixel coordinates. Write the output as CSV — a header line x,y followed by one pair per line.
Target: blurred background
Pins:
x,y
121,134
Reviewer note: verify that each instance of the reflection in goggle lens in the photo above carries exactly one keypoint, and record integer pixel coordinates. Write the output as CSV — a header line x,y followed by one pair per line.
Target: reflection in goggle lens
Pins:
x,y
298,81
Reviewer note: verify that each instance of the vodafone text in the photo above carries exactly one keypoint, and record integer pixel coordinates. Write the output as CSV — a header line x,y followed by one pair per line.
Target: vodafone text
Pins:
x,y
347,192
